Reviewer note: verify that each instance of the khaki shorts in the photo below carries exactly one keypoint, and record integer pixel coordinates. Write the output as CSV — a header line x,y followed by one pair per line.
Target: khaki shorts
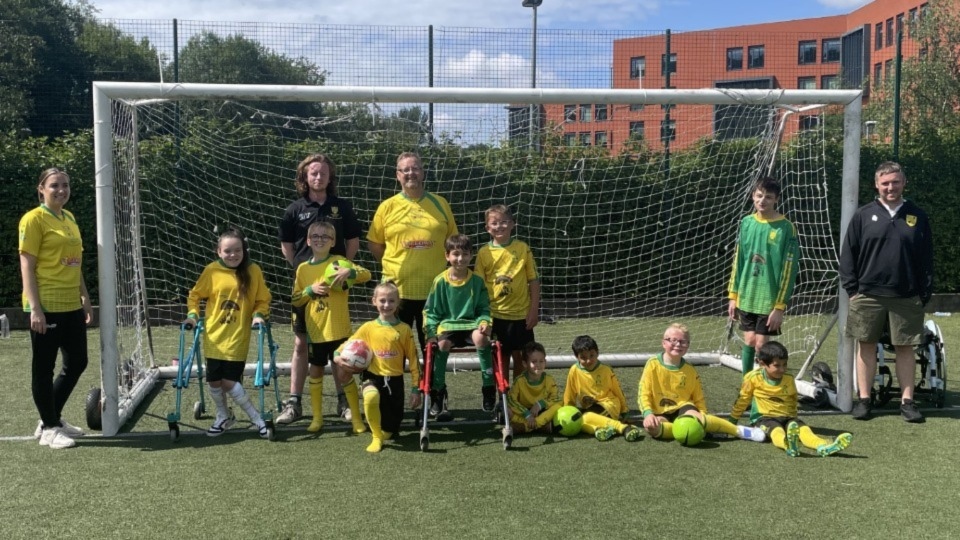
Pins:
x,y
870,315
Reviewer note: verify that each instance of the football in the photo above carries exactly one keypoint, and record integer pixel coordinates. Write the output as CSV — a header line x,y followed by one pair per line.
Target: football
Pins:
x,y
356,354
688,431
568,421
333,268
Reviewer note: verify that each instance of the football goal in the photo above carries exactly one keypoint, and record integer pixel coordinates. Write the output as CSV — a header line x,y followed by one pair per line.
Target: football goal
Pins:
x,y
630,200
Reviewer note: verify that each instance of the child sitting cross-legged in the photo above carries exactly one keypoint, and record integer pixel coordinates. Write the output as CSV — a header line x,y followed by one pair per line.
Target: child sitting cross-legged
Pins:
x,y
534,398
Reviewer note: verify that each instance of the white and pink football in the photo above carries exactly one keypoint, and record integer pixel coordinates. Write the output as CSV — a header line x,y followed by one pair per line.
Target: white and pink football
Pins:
x,y
356,354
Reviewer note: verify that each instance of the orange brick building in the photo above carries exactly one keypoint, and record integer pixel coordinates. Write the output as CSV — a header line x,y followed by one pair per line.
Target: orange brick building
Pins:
x,y
842,51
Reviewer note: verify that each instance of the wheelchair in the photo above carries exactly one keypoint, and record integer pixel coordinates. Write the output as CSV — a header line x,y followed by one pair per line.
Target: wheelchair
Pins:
x,y
931,386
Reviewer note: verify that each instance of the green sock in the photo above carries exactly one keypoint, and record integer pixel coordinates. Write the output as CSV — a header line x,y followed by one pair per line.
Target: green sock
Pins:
x,y
438,378
486,365
746,357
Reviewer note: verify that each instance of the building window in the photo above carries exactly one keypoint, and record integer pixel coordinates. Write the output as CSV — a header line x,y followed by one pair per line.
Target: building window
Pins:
x,y
878,36
831,50
600,138
569,113
889,41
585,115
569,139
585,139
924,10
663,63
734,58
636,131
601,112
636,107
755,56
888,69
638,67
806,83
877,74
899,23
807,53
830,82
668,130
911,20
809,122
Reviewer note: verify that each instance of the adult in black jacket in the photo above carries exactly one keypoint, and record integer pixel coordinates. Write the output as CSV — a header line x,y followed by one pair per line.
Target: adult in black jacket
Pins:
x,y
886,266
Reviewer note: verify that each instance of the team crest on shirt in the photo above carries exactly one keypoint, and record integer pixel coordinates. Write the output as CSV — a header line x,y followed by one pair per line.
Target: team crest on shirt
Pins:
x,y
229,308
772,236
334,212
911,220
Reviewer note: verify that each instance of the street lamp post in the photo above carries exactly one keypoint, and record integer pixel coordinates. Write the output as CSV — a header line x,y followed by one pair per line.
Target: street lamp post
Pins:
x,y
533,68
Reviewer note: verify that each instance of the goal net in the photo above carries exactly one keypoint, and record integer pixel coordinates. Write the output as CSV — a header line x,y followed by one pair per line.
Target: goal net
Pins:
x,y
630,200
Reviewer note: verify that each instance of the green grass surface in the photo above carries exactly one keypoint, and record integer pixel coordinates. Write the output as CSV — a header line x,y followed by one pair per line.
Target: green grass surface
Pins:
x,y
896,479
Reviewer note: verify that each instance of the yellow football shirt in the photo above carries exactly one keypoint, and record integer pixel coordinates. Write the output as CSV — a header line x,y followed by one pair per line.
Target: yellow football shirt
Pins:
x,y
507,272
600,383
227,317
56,244
664,389
392,345
327,317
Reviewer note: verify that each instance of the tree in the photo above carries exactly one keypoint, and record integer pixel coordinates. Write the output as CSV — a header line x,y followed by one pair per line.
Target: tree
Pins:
x,y
930,81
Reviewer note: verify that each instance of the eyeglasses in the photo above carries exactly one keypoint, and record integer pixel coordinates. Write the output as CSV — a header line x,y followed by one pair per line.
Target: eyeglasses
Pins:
x,y
680,342
410,170
320,237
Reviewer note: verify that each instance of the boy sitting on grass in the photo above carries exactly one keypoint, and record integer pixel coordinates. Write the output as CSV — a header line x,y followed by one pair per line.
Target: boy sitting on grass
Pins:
x,y
593,388
775,394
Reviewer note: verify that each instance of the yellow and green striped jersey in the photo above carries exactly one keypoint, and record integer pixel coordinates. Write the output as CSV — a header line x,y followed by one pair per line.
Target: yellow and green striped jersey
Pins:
x,y
327,317
392,345
777,399
663,388
765,264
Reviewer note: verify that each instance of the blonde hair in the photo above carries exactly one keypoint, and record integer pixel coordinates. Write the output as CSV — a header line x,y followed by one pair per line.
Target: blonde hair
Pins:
x,y
501,209
678,326
326,226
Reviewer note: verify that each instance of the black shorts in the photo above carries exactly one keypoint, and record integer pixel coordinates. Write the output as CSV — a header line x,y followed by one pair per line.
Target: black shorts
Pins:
x,y
392,398
460,338
298,319
756,323
321,354
218,370
512,335
769,423
673,415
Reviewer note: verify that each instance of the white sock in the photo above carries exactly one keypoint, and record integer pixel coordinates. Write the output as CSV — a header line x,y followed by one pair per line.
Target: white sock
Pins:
x,y
751,433
220,400
243,401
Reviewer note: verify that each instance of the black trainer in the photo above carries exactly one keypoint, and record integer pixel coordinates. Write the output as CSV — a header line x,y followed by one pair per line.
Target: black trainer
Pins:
x,y
434,403
444,414
910,412
861,409
489,398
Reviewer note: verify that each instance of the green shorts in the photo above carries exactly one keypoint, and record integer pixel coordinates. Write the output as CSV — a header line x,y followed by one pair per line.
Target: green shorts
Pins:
x,y
870,315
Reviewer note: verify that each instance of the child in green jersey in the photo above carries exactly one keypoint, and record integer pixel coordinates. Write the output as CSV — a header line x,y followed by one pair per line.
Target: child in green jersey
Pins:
x,y
764,271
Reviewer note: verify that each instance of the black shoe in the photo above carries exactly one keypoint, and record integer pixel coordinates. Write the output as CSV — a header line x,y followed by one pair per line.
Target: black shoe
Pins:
x,y
443,400
489,398
434,403
910,412
861,409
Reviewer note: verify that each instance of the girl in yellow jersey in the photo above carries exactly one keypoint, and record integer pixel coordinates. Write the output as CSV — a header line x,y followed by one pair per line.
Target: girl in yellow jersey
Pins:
x,y
236,297
55,296
534,398
391,341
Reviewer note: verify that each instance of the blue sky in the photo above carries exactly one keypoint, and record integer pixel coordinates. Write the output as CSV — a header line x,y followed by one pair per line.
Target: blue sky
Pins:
x,y
555,14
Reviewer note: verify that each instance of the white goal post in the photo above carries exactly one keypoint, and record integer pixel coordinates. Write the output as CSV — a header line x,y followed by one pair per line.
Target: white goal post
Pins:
x,y
125,274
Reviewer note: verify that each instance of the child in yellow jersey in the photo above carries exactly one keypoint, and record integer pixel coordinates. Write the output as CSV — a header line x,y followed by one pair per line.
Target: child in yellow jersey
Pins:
x,y
392,344
534,398
775,394
507,268
327,318
593,388
670,388
236,298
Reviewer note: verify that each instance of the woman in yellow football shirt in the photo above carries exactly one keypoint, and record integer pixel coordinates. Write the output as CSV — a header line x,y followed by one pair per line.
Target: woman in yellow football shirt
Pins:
x,y
55,296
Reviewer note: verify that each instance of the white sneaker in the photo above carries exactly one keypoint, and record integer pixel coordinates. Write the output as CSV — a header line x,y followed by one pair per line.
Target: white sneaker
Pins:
x,y
751,433
68,429
54,438
221,425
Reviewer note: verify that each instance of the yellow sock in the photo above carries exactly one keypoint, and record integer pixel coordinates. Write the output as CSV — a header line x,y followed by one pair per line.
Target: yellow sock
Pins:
x,y
593,421
666,431
353,400
779,438
810,439
715,424
316,402
371,408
